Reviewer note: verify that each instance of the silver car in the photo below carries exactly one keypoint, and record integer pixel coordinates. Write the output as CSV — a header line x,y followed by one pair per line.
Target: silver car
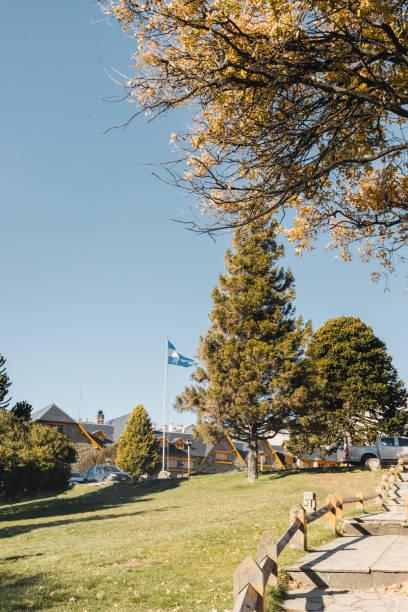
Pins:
x,y
76,478
108,473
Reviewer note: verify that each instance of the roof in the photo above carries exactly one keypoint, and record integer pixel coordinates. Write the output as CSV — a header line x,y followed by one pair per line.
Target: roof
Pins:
x,y
198,447
281,450
241,447
179,453
52,413
119,425
92,428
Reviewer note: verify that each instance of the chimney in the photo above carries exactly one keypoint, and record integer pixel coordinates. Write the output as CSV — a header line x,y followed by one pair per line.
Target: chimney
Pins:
x,y
100,417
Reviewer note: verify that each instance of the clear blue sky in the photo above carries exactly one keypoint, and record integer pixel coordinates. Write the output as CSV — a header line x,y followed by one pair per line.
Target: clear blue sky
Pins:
x,y
94,274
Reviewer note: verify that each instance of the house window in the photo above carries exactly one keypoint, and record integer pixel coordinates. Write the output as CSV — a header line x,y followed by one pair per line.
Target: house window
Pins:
x,y
172,463
179,443
222,457
185,462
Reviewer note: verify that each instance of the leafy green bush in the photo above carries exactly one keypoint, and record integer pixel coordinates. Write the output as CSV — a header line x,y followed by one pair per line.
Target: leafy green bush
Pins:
x,y
32,457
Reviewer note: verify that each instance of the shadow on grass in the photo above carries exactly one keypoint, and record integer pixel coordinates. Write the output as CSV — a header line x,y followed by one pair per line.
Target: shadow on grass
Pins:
x,y
19,557
108,496
302,471
14,530
26,593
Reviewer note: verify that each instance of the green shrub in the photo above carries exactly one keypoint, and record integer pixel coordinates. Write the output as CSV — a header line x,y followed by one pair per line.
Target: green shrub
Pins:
x,y
33,457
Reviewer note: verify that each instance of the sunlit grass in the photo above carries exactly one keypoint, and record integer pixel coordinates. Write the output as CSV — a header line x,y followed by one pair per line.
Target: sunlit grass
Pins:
x,y
156,546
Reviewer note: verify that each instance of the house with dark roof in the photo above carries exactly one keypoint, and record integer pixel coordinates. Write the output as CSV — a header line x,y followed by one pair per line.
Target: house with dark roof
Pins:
x,y
86,437
226,455
223,456
177,450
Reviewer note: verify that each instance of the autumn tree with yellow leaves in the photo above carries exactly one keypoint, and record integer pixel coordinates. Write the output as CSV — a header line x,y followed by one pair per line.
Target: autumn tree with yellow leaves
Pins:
x,y
299,106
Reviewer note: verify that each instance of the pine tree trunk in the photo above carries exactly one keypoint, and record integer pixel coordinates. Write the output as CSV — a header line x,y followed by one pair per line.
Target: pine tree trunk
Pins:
x,y
252,461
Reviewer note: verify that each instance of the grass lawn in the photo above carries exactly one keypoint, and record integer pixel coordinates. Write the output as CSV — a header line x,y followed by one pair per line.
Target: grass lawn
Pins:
x,y
158,546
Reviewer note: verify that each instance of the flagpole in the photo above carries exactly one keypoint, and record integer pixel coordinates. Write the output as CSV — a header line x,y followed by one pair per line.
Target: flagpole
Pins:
x,y
165,405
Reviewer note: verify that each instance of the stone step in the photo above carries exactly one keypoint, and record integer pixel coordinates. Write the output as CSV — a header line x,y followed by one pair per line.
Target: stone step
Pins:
x,y
356,562
390,506
339,600
397,497
380,523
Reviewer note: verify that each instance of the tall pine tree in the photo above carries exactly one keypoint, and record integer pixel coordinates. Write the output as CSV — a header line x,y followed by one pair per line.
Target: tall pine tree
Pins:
x,y
248,384
138,450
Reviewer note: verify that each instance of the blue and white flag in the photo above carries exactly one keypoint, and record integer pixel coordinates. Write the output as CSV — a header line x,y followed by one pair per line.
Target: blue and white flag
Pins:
x,y
174,358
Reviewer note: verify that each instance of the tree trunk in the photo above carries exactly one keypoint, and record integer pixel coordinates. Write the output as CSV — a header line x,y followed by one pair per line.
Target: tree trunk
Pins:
x,y
252,461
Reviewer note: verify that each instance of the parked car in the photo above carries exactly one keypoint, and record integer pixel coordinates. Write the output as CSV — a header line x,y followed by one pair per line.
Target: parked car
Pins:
x,y
76,478
388,449
98,473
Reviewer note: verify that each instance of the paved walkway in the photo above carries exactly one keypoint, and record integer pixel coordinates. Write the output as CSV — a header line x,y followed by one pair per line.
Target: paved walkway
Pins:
x,y
340,600
354,562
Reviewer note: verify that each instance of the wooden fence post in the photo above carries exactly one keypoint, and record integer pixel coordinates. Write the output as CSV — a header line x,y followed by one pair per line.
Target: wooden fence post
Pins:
x,y
268,559
299,540
249,583
378,499
330,516
383,489
339,507
406,507
360,502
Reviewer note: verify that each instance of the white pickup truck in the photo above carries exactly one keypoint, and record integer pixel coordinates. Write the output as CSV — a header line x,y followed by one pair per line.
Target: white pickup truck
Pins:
x,y
388,450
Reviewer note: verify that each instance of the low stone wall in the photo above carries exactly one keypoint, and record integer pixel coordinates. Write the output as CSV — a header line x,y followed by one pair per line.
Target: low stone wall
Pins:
x,y
83,450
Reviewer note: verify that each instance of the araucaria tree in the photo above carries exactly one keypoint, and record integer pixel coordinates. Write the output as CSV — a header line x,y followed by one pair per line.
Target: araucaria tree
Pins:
x,y
22,410
138,450
4,383
248,383
353,388
298,104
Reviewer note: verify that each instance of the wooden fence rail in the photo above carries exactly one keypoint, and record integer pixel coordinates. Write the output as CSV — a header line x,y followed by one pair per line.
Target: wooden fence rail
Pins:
x,y
251,577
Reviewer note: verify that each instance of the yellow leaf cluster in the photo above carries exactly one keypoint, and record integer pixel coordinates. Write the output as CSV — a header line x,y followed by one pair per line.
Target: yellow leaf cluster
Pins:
x,y
299,105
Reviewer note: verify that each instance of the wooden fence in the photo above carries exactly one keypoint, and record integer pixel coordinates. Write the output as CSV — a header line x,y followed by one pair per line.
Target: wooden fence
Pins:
x,y
252,577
